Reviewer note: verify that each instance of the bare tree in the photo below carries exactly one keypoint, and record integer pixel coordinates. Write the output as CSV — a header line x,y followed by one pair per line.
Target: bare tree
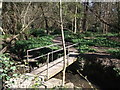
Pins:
x,y
75,18
101,19
63,43
1,30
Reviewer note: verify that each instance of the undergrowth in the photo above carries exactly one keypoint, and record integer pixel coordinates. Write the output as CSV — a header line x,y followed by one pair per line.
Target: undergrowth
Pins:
x,y
22,46
114,52
7,67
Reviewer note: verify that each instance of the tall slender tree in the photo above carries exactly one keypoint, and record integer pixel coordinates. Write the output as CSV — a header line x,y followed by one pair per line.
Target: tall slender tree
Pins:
x,y
63,43
75,18
1,30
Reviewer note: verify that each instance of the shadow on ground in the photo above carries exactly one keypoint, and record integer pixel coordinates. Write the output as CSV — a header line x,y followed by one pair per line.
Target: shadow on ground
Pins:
x,y
99,70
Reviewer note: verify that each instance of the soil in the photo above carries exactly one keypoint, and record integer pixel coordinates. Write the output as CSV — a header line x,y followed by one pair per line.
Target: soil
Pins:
x,y
76,79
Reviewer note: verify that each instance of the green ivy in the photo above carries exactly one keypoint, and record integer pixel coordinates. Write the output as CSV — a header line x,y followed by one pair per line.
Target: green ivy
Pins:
x,y
7,67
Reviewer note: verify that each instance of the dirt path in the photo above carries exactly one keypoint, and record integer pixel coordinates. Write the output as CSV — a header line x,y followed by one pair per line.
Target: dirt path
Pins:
x,y
102,56
58,39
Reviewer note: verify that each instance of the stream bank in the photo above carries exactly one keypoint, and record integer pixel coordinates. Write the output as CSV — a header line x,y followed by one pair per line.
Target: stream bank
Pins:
x,y
101,76
73,77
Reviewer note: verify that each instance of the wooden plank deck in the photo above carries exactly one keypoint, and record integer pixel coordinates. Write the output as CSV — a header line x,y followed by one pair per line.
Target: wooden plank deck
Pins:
x,y
55,66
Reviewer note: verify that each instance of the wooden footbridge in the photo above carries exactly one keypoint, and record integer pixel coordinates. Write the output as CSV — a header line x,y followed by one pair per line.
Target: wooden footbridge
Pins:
x,y
53,67
49,68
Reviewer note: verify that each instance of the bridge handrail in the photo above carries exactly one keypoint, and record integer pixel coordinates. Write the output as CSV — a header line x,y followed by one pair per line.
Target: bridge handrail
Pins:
x,y
54,51
43,47
62,48
40,48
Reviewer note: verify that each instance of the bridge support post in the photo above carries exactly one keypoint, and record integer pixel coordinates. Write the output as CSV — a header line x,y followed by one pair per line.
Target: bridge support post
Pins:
x,y
48,65
27,62
52,54
68,57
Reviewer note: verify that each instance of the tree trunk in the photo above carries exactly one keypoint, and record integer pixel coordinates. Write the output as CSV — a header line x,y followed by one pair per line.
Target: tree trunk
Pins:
x,y
75,19
84,25
1,85
63,43
103,20
1,30
0,14
105,16
118,12
45,18
72,25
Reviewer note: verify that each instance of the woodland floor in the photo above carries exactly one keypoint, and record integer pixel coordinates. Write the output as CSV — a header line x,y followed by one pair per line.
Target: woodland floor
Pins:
x,y
98,68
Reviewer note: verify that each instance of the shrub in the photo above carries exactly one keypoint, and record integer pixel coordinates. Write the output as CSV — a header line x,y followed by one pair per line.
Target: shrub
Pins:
x,y
114,52
22,46
37,32
56,31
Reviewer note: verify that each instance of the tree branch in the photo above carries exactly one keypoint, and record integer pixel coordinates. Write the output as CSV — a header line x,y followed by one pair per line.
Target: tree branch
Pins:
x,y
102,19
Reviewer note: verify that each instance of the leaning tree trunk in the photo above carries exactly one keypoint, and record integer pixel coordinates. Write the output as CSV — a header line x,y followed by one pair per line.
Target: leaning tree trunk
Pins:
x,y
63,43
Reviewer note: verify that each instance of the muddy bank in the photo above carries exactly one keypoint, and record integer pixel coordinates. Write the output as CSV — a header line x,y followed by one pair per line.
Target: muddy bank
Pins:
x,y
76,79
100,76
73,77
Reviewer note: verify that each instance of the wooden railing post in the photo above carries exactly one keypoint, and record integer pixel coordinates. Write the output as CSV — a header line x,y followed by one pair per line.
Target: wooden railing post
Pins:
x,y
27,56
52,54
48,65
27,62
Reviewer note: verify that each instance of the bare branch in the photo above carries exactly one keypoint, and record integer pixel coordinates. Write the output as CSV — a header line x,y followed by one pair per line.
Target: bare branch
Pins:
x,y
102,19
26,14
14,37
85,77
